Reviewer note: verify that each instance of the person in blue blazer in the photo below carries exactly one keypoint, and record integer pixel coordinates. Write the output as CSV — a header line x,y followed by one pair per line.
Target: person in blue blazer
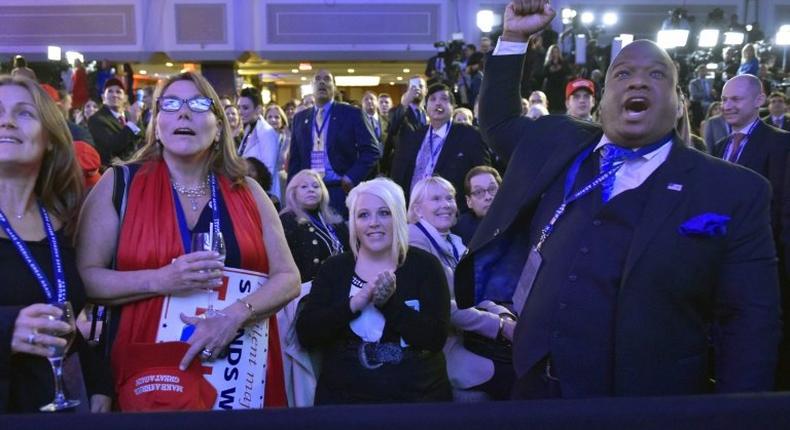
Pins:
x,y
332,138
657,276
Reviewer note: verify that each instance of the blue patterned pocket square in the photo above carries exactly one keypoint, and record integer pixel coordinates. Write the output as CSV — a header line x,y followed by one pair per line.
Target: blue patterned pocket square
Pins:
x,y
705,225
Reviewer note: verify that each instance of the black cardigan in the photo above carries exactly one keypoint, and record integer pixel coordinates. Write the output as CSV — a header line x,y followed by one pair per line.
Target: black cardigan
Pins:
x,y
307,248
323,325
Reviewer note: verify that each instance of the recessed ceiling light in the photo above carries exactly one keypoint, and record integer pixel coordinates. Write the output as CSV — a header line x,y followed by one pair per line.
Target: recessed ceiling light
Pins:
x,y
400,78
294,71
143,72
392,83
156,75
304,78
407,70
351,70
169,64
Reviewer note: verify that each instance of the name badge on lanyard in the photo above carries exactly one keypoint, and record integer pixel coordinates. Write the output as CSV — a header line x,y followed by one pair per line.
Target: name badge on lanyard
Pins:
x,y
318,154
535,259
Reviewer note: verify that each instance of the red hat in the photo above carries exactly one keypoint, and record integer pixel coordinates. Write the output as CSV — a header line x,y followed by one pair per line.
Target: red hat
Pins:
x,y
579,84
51,91
153,382
90,162
114,81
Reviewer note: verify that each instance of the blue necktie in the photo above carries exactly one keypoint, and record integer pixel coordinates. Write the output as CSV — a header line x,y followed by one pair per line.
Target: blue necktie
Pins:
x,y
611,157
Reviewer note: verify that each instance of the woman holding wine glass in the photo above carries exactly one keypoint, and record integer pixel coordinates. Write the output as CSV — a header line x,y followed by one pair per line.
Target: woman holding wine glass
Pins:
x,y
40,189
186,179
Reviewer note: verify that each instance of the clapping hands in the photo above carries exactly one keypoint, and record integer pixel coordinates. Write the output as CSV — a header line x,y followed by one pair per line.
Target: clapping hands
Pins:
x,y
376,292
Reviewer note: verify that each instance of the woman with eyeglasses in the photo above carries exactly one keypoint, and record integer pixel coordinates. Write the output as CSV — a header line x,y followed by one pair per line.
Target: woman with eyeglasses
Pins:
x,y
378,314
480,186
432,212
186,179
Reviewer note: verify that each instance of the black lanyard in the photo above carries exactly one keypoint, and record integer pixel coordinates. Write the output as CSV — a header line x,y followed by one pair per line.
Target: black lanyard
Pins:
x,y
59,293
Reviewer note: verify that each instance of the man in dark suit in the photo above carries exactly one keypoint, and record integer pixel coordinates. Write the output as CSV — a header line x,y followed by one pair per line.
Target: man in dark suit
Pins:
x,y
701,94
405,119
715,129
777,111
115,132
332,138
376,122
441,148
654,250
765,150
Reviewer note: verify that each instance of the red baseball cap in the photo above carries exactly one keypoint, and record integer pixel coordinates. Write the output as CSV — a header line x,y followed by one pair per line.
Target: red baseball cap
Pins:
x,y
89,161
152,380
51,91
579,84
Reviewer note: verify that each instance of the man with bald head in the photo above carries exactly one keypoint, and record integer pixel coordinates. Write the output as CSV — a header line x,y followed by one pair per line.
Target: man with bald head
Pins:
x,y
764,149
628,257
333,139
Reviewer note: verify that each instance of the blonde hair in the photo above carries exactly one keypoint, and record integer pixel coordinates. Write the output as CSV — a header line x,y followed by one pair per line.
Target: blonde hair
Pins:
x,y
466,111
280,112
421,189
225,160
59,184
291,204
392,195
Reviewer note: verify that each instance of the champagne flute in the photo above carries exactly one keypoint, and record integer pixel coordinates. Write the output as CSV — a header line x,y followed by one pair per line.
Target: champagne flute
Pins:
x,y
211,241
56,356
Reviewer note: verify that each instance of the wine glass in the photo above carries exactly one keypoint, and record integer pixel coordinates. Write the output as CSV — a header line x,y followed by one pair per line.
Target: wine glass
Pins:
x,y
211,241
56,356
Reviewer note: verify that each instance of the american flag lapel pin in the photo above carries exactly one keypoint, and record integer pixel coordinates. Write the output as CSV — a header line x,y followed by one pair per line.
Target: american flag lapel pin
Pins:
x,y
674,187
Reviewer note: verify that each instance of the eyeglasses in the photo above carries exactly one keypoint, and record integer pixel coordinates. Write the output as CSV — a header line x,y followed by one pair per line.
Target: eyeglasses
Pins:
x,y
198,104
480,192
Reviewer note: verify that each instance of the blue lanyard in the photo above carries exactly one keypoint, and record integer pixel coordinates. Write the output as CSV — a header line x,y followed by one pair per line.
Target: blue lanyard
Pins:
x,y
58,296
743,144
439,249
320,224
183,228
570,179
435,151
319,130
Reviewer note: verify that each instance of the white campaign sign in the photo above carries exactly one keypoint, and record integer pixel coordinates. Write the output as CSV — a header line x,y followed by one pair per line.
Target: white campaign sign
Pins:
x,y
240,377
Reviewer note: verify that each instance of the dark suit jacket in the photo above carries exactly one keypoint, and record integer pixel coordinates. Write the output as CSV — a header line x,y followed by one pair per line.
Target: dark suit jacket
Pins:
x,y
352,148
674,287
766,153
402,122
381,137
112,139
463,149
715,130
785,121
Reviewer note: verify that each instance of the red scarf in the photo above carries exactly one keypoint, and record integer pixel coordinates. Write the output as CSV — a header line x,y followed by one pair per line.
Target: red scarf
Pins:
x,y
150,239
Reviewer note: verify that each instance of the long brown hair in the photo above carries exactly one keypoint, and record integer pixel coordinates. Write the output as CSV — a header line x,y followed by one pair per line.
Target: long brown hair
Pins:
x,y
59,183
224,161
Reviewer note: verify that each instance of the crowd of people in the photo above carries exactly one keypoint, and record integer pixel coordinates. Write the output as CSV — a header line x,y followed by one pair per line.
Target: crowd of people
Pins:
x,y
403,252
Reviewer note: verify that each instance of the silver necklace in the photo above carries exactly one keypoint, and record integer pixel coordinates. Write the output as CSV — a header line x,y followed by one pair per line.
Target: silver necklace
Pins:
x,y
192,193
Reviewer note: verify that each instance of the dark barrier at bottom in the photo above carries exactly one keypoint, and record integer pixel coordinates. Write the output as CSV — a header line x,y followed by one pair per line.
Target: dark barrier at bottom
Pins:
x,y
748,411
